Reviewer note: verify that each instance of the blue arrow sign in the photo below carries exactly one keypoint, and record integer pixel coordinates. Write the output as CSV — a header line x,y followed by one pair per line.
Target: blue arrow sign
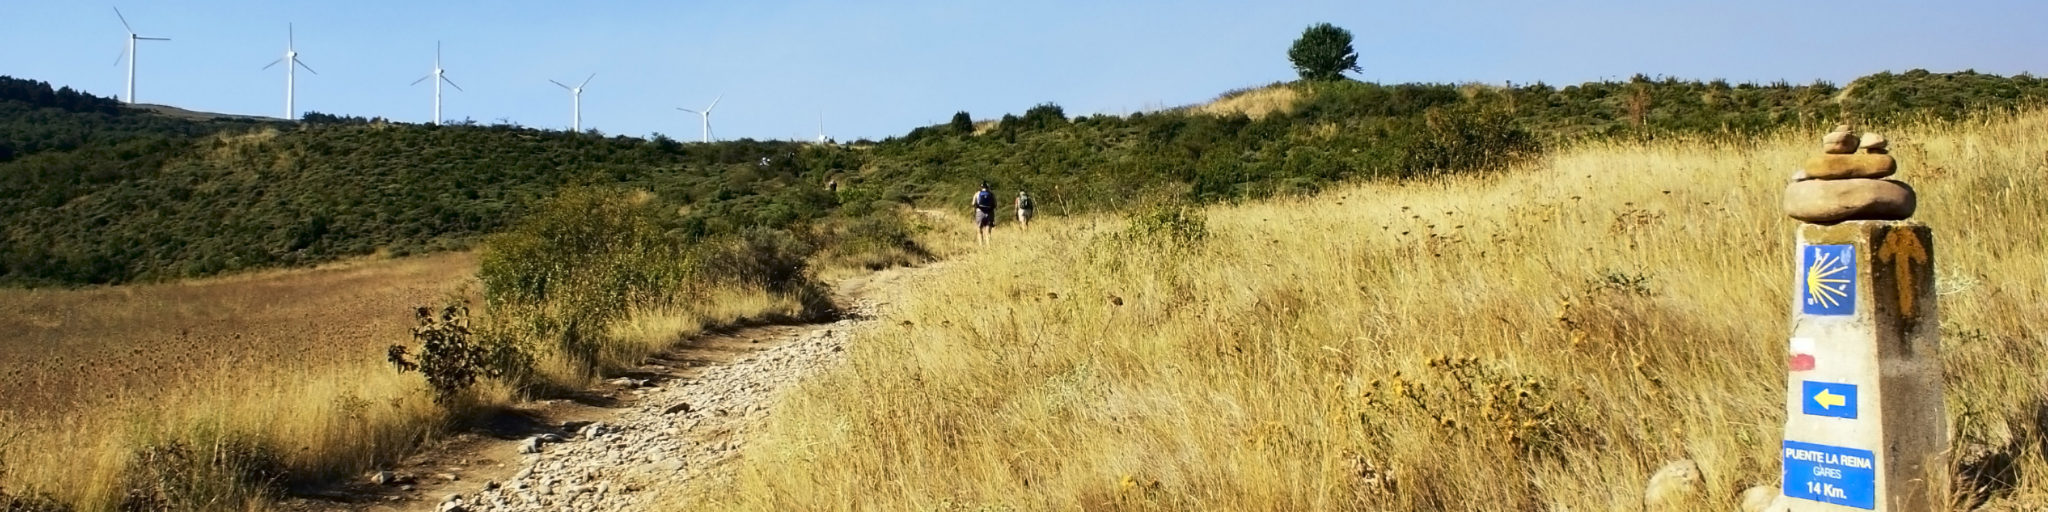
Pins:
x,y
1828,399
1830,474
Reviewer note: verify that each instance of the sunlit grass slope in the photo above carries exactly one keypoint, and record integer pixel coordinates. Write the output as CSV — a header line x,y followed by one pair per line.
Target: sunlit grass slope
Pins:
x,y
1539,339
213,394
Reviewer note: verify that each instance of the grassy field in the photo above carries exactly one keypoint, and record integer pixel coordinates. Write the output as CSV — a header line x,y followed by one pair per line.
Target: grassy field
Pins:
x,y
105,381
1540,339
206,395
80,349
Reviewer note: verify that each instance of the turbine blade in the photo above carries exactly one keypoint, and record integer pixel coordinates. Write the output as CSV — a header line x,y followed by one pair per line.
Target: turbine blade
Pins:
x,y
437,54
422,79
586,81
140,38
124,20
559,84
272,63
714,103
122,56
686,110
301,63
444,78
291,40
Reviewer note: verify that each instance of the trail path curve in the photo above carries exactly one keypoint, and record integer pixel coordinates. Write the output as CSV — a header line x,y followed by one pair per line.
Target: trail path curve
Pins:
x,y
649,440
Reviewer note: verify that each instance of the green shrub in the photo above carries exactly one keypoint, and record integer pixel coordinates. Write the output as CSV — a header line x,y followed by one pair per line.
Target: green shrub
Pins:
x,y
452,356
584,241
583,261
769,259
1168,225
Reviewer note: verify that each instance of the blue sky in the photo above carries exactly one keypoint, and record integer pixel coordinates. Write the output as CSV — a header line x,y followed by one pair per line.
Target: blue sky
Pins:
x,y
876,69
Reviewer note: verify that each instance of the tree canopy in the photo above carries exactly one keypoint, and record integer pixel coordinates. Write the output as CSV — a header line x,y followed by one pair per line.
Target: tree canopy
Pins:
x,y
1323,53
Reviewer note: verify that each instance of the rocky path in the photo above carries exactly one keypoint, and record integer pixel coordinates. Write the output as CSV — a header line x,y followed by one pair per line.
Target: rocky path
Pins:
x,y
679,434
676,429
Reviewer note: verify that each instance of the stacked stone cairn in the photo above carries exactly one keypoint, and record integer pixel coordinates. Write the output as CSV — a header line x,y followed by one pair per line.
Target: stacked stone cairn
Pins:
x,y
1842,185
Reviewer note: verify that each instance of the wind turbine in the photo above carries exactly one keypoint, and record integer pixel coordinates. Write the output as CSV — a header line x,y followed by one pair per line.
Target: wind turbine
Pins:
x,y
706,114
130,52
576,96
439,75
291,64
821,129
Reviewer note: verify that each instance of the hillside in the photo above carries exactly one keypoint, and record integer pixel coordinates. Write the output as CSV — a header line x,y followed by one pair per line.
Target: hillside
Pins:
x,y
1303,137
110,196
93,192
1465,236
1540,338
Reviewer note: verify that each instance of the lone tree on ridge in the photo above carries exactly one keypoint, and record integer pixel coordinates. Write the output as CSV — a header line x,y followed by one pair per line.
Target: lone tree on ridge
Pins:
x,y
1323,53
962,123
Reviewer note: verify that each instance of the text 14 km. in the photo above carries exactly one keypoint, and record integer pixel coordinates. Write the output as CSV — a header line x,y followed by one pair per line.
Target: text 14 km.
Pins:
x,y
1826,489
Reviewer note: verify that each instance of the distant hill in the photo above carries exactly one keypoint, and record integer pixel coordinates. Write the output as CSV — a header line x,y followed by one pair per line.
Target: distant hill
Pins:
x,y
92,191
192,115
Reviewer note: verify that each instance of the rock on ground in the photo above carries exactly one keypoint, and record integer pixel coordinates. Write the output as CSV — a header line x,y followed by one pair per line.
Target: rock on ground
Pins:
x,y
1762,498
1676,486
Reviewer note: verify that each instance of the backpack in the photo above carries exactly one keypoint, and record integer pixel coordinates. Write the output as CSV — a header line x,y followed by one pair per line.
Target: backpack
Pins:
x,y
1025,203
984,200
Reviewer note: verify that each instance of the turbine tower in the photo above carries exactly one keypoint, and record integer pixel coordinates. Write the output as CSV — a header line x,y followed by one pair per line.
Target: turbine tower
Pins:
x,y
576,97
130,52
821,129
439,75
291,63
706,114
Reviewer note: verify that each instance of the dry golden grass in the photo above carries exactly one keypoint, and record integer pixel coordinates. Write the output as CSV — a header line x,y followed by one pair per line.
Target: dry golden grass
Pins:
x,y
292,359
281,369
1540,339
652,330
78,349
1253,103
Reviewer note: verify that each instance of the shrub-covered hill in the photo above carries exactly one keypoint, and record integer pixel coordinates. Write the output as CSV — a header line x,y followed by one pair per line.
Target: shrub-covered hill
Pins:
x,y
92,192
105,194
1300,136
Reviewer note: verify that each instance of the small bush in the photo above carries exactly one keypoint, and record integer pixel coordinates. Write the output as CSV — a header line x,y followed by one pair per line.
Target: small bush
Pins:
x,y
770,259
882,232
451,356
1168,225
200,475
565,274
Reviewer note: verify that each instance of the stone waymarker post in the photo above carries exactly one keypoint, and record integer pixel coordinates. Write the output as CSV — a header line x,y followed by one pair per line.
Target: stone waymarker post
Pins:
x,y
1865,427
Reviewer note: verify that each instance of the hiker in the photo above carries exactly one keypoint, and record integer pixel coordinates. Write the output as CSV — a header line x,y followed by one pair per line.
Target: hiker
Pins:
x,y
832,186
984,212
1023,210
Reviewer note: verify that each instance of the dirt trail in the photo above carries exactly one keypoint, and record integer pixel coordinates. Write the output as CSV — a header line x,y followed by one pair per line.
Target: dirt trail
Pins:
x,y
641,441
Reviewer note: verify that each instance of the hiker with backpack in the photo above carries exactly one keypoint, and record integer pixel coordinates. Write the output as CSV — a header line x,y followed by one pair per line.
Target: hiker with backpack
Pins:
x,y
984,212
1023,210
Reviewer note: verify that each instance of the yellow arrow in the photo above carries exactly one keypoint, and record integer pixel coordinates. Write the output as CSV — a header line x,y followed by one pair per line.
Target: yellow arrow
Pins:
x,y
1902,248
1827,399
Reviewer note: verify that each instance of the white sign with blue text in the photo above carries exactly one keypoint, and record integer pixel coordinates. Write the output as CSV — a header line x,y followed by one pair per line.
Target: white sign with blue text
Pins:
x,y
1831,474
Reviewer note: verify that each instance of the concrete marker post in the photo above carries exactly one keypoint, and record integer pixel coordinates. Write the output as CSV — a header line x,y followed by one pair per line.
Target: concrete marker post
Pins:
x,y
1865,425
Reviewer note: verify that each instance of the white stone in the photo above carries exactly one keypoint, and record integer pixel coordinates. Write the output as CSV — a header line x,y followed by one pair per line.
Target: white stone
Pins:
x,y
1676,486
